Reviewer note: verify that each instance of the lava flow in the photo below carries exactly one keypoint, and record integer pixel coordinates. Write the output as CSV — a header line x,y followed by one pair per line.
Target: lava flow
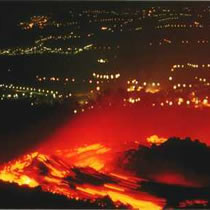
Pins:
x,y
82,173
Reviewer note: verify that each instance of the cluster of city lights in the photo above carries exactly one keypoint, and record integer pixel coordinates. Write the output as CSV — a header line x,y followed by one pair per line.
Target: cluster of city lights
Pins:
x,y
133,100
101,60
116,23
43,21
39,21
188,66
135,85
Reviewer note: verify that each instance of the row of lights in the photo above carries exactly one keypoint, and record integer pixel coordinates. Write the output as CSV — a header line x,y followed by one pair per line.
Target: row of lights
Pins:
x,y
182,85
106,76
178,26
191,65
199,42
40,79
63,37
180,101
134,81
42,50
76,111
22,88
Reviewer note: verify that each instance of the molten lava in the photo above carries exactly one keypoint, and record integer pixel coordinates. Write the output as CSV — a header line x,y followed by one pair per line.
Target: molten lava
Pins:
x,y
79,174
93,156
156,140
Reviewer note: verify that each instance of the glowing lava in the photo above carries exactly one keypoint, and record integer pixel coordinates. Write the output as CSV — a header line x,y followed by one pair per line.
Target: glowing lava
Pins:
x,y
93,156
78,180
156,140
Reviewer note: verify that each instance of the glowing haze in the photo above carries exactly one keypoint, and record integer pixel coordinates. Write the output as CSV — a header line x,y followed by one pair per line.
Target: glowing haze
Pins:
x,y
118,126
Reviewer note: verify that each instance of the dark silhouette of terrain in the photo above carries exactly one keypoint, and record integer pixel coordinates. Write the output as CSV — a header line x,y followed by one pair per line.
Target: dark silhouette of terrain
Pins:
x,y
177,170
13,196
182,157
175,195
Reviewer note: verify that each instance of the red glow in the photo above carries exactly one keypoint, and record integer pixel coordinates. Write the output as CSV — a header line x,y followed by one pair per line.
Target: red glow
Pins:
x,y
116,126
175,179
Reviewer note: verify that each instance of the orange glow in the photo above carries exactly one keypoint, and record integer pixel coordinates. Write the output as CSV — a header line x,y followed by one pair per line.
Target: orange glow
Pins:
x,y
152,89
175,179
31,25
20,180
120,176
26,171
89,148
92,191
92,163
188,203
10,173
93,156
114,187
133,201
156,140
